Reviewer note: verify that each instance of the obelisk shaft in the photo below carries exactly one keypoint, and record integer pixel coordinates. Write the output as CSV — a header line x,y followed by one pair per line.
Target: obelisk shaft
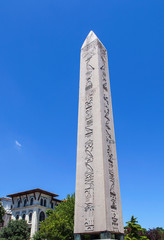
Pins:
x,y
98,202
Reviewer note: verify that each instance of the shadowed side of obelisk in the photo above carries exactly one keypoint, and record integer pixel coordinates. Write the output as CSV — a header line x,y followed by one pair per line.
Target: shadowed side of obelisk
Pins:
x,y
97,203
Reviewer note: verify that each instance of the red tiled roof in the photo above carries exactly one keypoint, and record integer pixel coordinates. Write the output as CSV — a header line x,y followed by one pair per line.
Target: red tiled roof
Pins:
x,y
32,191
55,199
5,198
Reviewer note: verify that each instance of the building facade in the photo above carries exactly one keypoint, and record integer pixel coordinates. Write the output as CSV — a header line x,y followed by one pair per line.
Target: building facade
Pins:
x,y
6,203
31,206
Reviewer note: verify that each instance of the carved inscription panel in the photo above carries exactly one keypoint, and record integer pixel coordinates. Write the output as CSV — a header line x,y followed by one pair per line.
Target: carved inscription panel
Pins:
x,y
109,142
89,144
97,205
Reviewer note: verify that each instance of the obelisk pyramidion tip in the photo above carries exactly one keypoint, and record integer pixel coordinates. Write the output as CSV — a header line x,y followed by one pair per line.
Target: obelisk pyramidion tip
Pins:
x,y
90,38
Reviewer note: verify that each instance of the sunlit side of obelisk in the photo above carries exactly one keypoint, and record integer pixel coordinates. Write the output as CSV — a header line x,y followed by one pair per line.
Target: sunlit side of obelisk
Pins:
x,y
98,203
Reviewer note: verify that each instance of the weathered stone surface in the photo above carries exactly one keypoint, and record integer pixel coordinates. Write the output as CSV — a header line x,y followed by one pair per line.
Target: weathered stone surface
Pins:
x,y
98,203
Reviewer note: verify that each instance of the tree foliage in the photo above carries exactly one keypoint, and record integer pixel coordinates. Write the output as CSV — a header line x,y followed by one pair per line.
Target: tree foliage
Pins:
x,y
60,222
15,230
36,236
161,232
2,212
155,233
134,231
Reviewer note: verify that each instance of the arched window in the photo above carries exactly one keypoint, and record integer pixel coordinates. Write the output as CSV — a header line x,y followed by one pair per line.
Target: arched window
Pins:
x,y
45,202
24,216
17,217
19,203
31,201
25,202
41,217
41,202
30,217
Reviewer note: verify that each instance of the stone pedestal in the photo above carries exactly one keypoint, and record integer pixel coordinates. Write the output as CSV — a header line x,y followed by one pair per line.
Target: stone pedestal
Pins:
x,y
120,236
77,237
105,235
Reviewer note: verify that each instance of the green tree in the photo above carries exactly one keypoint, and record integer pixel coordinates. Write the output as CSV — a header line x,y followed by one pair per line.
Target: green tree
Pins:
x,y
2,212
154,234
161,232
134,231
60,222
15,230
36,236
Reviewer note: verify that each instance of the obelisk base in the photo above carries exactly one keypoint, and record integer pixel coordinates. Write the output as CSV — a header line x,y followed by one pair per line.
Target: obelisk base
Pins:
x,y
119,236
77,237
103,235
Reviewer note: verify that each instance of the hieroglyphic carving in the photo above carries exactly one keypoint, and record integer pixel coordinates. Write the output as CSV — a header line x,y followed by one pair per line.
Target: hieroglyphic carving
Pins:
x,y
109,141
89,171
97,205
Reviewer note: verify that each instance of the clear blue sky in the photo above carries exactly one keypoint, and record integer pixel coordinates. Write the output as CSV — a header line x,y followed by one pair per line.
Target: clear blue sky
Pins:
x,y
40,43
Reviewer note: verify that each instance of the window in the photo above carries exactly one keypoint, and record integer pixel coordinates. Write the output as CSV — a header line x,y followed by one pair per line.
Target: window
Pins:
x,y
41,217
41,202
45,202
25,202
19,203
52,205
17,217
31,201
24,216
30,217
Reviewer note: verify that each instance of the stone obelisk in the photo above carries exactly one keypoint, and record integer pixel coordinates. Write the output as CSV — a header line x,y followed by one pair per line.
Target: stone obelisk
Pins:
x,y
98,203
